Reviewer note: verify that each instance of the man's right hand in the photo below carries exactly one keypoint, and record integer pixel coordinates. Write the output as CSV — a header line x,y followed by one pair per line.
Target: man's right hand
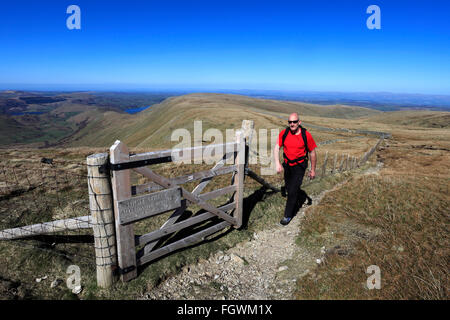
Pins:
x,y
279,167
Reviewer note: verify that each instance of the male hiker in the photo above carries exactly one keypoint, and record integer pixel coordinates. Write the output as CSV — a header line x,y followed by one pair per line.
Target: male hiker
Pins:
x,y
296,143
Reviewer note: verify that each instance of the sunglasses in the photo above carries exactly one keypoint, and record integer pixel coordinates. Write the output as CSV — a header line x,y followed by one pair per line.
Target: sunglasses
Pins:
x,y
295,121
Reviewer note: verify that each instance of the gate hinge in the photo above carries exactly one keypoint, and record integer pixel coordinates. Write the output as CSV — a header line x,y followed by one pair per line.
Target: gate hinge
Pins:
x,y
104,168
118,271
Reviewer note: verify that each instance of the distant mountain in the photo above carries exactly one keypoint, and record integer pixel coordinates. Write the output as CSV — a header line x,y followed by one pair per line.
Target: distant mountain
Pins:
x,y
92,119
384,101
13,102
98,119
153,126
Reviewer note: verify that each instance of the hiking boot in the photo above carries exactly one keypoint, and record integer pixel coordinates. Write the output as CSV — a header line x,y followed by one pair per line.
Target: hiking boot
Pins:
x,y
285,221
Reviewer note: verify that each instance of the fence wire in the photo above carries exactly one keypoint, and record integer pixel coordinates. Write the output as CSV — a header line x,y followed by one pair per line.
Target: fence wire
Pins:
x,y
102,220
44,207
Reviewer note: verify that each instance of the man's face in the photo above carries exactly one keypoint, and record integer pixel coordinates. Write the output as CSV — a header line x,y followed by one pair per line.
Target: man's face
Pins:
x,y
293,123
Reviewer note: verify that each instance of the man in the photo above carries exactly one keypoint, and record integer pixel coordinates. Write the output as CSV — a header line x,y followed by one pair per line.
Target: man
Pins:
x,y
295,162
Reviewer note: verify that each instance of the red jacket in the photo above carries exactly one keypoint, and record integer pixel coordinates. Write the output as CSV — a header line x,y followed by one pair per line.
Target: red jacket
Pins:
x,y
293,145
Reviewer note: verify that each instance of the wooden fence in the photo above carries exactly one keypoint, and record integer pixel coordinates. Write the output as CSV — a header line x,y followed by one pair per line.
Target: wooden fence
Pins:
x,y
343,162
135,203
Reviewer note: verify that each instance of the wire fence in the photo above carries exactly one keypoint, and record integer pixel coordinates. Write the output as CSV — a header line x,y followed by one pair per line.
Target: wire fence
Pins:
x,y
45,207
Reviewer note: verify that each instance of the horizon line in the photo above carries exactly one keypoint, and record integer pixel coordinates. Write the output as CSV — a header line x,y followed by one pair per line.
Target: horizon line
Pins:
x,y
193,89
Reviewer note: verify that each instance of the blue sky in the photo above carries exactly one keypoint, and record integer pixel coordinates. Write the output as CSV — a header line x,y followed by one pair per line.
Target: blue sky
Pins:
x,y
291,45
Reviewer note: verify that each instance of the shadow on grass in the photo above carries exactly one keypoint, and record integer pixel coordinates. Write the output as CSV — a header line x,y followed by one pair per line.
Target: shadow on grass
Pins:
x,y
52,240
251,201
302,198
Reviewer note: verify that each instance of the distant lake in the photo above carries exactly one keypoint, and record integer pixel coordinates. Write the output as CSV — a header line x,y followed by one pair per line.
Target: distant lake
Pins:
x,y
130,111
136,110
23,113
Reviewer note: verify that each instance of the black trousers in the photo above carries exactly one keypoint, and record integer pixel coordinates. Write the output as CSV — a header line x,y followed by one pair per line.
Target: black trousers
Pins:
x,y
293,177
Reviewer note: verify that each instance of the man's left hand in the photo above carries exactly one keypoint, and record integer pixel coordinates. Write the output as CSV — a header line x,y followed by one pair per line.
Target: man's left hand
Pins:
x,y
312,174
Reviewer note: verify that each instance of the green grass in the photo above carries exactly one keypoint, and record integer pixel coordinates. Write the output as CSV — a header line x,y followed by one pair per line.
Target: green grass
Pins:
x,y
14,130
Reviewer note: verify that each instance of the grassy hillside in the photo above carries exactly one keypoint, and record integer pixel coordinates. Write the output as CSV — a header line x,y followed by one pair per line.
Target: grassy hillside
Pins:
x,y
78,119
153,127
34,129
419,118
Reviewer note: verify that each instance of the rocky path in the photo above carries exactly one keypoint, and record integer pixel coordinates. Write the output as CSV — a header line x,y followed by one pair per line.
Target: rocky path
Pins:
x,y
253,270
247,271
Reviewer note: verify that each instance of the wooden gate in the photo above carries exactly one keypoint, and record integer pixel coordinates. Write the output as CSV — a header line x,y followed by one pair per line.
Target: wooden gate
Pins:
x,y
134,203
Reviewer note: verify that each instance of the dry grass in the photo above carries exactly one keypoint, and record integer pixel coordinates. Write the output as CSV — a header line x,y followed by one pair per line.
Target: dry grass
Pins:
x,y
397,220
32,192
419,118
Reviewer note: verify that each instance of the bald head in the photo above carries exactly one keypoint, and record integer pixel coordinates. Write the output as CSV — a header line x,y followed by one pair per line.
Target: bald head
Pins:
x,y
294,122
293,116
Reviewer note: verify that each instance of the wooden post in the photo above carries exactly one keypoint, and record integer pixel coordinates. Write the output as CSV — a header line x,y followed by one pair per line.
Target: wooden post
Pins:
x,y
334,163
324,166
239,178
101,207
369,153
341,166
121,186
247,129
363,159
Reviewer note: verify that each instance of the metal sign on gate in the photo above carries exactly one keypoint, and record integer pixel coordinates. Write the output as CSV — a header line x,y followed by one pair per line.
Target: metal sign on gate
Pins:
x,y
137,208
